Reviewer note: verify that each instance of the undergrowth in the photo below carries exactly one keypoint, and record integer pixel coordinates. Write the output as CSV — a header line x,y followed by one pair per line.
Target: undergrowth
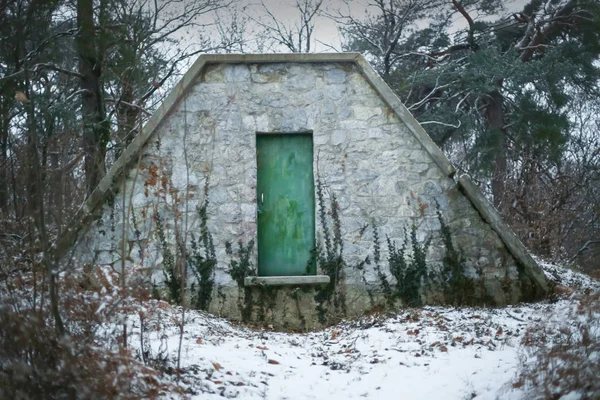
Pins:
x,y
560,356
91,361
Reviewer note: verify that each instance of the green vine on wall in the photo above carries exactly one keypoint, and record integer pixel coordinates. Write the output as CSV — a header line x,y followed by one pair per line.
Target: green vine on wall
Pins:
x,y
172,277
330,258
203,263
457,288
240,266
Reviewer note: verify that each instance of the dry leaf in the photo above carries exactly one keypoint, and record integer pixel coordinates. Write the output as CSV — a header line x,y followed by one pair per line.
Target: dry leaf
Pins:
x,y
499,332
21,97
217,366
273,362
262,347
443,349
163,304
335,334
199,341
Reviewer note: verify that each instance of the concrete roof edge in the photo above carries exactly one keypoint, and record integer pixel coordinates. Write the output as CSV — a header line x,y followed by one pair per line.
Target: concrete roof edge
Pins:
x,y
233,58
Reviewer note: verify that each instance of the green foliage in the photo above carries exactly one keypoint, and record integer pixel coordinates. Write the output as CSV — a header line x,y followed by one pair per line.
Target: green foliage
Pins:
x,y
410,270
330,258
361,268
172,276
386,287
240,266
407,264
266,301
458,289
202,261
450,81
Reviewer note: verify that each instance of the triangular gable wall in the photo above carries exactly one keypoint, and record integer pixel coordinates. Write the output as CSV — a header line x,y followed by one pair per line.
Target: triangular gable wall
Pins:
x,y
94,202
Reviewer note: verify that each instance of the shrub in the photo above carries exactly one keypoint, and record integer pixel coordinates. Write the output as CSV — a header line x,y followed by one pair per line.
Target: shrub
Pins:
x,y
562,353
90,362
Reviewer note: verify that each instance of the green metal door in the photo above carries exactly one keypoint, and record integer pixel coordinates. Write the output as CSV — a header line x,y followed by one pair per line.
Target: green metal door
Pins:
x,y
286,204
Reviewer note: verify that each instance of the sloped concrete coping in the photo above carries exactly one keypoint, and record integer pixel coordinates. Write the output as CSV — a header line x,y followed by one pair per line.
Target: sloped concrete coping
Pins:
x,y
286,280
512,243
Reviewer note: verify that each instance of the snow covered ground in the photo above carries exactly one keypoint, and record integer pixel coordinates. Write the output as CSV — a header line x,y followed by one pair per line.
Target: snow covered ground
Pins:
x,y
427,353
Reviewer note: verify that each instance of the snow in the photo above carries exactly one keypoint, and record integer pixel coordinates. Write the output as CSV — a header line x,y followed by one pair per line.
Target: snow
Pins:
x,y
426,353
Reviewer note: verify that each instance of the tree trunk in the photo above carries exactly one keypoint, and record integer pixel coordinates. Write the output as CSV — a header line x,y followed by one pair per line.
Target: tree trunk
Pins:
x,y
4,128
35,203
494,114
95,125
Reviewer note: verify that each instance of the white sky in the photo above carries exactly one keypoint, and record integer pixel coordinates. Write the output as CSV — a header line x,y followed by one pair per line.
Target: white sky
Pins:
x,y
325,29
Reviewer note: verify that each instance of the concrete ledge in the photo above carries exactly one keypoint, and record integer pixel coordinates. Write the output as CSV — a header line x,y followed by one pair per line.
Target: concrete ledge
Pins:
x,y
286,280
512,243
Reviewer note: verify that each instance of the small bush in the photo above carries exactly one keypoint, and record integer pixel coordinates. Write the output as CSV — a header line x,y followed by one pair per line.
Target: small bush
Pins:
x,y
90,362
562,354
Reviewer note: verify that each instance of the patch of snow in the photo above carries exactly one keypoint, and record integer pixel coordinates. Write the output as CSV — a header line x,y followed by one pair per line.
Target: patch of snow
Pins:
x,y
426,353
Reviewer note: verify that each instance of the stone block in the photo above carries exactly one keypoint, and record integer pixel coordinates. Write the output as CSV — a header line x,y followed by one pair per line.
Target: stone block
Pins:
x,y
236,73
335,76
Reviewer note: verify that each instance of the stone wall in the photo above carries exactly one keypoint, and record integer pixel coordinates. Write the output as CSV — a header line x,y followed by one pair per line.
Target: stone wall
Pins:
x,y
380,174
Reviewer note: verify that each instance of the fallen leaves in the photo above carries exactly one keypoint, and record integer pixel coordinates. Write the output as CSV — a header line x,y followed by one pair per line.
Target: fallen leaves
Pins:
x,y
274,362
199,341
216,366
262,347
21,97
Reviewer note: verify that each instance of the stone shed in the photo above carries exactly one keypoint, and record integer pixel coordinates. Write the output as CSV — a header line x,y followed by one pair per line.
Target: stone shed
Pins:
x,y
294,190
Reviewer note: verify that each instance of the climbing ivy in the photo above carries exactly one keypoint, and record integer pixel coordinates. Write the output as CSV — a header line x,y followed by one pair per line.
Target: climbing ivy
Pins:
x,y
458,289
240,266
172,277
330,257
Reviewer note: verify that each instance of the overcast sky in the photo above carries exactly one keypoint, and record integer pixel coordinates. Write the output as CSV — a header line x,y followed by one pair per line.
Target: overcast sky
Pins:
x,y
326,30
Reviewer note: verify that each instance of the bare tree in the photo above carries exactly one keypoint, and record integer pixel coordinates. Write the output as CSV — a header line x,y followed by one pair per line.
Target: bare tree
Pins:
x,y
385,27
296,37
